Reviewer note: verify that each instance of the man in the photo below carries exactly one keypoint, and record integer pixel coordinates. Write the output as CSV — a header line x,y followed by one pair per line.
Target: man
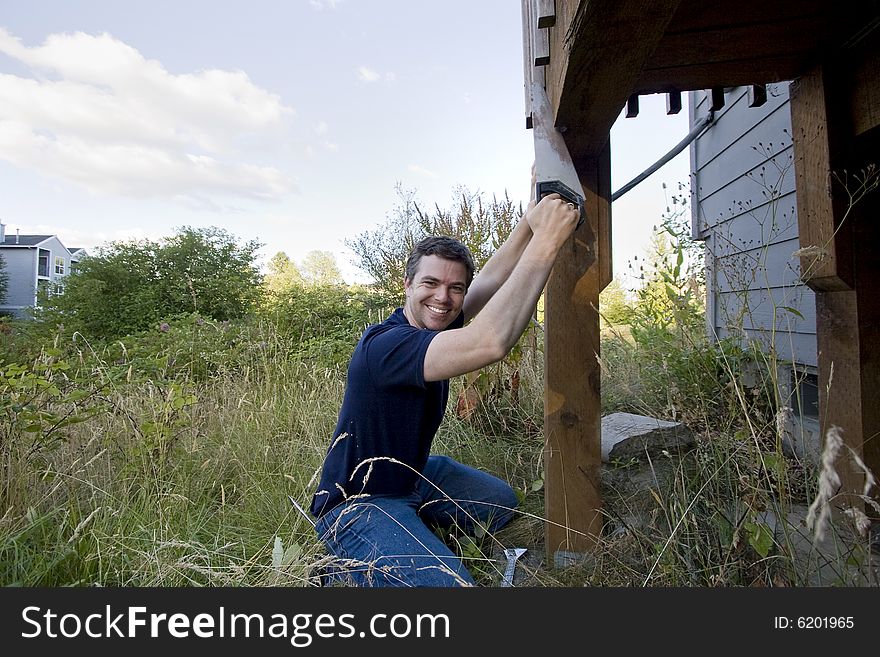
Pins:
x,y
380,491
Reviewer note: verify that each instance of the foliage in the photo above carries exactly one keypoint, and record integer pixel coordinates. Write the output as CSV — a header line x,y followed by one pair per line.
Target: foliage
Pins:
x,y
324,322
382,252
40,403
615,306
129,286
283,274
320,268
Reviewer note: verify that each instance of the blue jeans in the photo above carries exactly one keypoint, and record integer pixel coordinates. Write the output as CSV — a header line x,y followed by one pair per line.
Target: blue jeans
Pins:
x,y
388,541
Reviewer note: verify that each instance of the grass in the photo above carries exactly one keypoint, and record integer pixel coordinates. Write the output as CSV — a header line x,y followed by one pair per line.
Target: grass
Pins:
x,y
184,483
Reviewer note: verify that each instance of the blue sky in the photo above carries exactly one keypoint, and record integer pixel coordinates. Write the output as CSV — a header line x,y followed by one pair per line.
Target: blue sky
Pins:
x,y
286,121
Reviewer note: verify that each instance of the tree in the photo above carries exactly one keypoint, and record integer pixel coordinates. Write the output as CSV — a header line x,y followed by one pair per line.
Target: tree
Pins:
x,y
382,253
320,268
614,306
204,270
129,286
283,275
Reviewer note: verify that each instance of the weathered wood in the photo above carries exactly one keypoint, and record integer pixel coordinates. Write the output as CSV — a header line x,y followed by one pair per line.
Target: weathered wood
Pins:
x,y
598,51
840,384
865,90
757,95
632,106
546,12
734,43
716,101
827,264
572,408
603,216
697,15
673,102
867,240
739,73
540,39
527,59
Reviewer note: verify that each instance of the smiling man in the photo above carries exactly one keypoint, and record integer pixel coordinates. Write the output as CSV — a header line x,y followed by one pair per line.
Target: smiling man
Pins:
x,y
381,491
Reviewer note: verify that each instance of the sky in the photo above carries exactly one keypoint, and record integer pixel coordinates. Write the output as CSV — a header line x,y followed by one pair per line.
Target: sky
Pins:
x,y
289,122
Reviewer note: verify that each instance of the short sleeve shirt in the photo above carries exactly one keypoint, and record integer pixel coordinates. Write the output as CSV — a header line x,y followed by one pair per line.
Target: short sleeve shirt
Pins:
x,y
388,418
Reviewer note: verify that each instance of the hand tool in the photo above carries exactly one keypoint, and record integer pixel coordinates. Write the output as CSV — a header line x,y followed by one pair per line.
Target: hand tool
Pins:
x,y
512,554
300,509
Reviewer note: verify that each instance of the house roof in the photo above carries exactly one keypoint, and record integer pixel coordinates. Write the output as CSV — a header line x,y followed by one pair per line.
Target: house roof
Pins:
x,y
24,240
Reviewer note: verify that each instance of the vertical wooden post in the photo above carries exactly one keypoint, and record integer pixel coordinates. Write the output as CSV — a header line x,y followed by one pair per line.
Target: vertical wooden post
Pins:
x,y
842,268
572,402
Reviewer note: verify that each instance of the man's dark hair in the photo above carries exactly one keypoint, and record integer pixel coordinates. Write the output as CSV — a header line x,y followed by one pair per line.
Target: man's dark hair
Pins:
x,y
447,248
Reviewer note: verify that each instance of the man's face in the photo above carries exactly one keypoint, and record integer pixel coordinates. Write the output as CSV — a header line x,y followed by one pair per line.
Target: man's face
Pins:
x,y
435,294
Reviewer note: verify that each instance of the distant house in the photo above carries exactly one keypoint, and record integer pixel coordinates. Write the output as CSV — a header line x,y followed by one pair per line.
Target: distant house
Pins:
x,y
33,263
744,208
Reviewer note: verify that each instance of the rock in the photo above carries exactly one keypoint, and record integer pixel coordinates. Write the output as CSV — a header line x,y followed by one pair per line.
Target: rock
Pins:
x,y
627,436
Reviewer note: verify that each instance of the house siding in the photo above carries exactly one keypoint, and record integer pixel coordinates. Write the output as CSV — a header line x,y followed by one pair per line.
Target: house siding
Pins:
x,y
22,268
744,208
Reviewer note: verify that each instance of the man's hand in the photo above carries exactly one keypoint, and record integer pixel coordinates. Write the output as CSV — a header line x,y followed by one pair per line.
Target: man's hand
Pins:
x,y
553,219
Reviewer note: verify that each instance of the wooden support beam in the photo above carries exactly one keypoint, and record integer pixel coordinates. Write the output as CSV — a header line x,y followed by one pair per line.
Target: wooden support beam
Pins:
x,y
632,106
540,37
546,12
757,95
596,61
531,70
843,265
673,102
572,401
865,89
827,263
716,102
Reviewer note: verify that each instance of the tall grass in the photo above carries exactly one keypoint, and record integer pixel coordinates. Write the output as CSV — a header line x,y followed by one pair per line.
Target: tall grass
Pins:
x,y
167,459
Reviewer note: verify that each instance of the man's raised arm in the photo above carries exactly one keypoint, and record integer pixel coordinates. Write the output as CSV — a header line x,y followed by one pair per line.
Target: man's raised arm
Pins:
x,y
495,330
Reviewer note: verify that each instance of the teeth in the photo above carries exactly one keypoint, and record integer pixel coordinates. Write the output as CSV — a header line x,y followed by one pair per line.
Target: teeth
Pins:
x,y
439,311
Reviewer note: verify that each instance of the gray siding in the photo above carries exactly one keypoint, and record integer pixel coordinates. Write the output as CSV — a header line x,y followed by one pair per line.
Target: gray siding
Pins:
x,y
21,266
22,270
743,206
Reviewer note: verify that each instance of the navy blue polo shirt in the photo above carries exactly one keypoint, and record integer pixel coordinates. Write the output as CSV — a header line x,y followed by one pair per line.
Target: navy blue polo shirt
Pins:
x,y
389,416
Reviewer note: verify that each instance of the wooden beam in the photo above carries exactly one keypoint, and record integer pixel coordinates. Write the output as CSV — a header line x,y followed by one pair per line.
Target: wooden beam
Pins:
x,y
865,90
546,12
840,399
757,95
673,102
540,38
696,75
632,106
598,52
827,263
572,400
716,96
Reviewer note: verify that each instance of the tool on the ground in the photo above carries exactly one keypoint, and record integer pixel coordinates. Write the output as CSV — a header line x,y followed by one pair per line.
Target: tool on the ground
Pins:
x,y
554,170
301,510
512,554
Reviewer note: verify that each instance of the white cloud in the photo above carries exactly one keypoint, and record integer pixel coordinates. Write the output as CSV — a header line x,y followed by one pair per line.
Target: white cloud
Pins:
x,y
367,74
324,4
422,171
98,113
90,240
